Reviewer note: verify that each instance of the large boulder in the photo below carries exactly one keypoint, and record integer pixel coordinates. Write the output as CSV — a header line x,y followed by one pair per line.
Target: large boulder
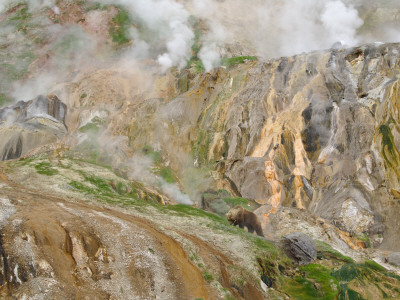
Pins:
x,y
393,259
300,248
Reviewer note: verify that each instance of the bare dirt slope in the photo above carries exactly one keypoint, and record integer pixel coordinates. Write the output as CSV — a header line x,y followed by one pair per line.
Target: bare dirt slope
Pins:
x,y
74,250
62,247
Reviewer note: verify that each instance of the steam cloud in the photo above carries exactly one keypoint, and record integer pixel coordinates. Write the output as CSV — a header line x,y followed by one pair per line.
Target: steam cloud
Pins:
x,y
168,18
266,28
141,171
277,28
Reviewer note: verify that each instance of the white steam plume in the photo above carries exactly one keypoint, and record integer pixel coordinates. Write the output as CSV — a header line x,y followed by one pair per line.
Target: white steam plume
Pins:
x,y
273,28
267,28
216,36
209,56
341,21
168,19
140,169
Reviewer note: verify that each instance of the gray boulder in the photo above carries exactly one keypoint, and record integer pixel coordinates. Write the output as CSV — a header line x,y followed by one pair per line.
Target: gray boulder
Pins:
x,y
393,259
299,247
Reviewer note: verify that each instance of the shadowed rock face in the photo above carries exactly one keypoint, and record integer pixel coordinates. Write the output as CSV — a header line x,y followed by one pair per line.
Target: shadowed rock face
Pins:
x,y
31,124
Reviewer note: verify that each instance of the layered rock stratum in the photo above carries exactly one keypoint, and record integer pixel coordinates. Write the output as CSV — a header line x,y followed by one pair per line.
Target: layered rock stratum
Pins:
x,y
116,182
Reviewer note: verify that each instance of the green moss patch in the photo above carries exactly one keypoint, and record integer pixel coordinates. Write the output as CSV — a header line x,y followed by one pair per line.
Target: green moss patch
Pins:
x,y
313,282
348,272
93,126
45,168
202,146
389,150
88,6
21,17
365,238
207,276
325,251
119,30
374,265
347,293
154,155
232,61
235,201
370,275
187,210
195,61
4,100
167,175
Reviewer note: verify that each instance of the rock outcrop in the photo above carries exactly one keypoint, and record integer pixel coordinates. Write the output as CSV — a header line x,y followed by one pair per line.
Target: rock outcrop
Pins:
x,y
309,143
300,248
31,124
318,131
393,259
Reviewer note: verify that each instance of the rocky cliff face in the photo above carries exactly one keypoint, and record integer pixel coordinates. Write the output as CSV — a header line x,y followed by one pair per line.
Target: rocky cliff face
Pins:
x,y
29,125
312,139
91,174
317,132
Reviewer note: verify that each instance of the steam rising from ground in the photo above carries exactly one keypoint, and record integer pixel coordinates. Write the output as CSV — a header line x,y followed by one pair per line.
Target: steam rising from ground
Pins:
x,y
141,171
168,19
167,34
275,28
266,28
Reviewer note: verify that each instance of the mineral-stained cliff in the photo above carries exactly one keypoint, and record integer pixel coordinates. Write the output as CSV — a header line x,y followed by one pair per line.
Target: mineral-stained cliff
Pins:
x,y
92,171
312,140
316,131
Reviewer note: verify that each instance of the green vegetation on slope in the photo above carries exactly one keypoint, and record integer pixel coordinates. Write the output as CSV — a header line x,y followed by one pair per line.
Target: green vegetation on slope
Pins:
x,y
232,61
325,251
17,54
195,61
119,30
93,126
389,151
45,168
315,282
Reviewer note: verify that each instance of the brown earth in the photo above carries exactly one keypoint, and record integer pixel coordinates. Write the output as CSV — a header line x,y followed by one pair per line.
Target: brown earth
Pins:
x,y
76,243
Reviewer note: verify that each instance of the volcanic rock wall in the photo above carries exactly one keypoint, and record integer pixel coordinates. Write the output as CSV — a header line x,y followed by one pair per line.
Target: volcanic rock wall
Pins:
x,y
327,123
317,131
